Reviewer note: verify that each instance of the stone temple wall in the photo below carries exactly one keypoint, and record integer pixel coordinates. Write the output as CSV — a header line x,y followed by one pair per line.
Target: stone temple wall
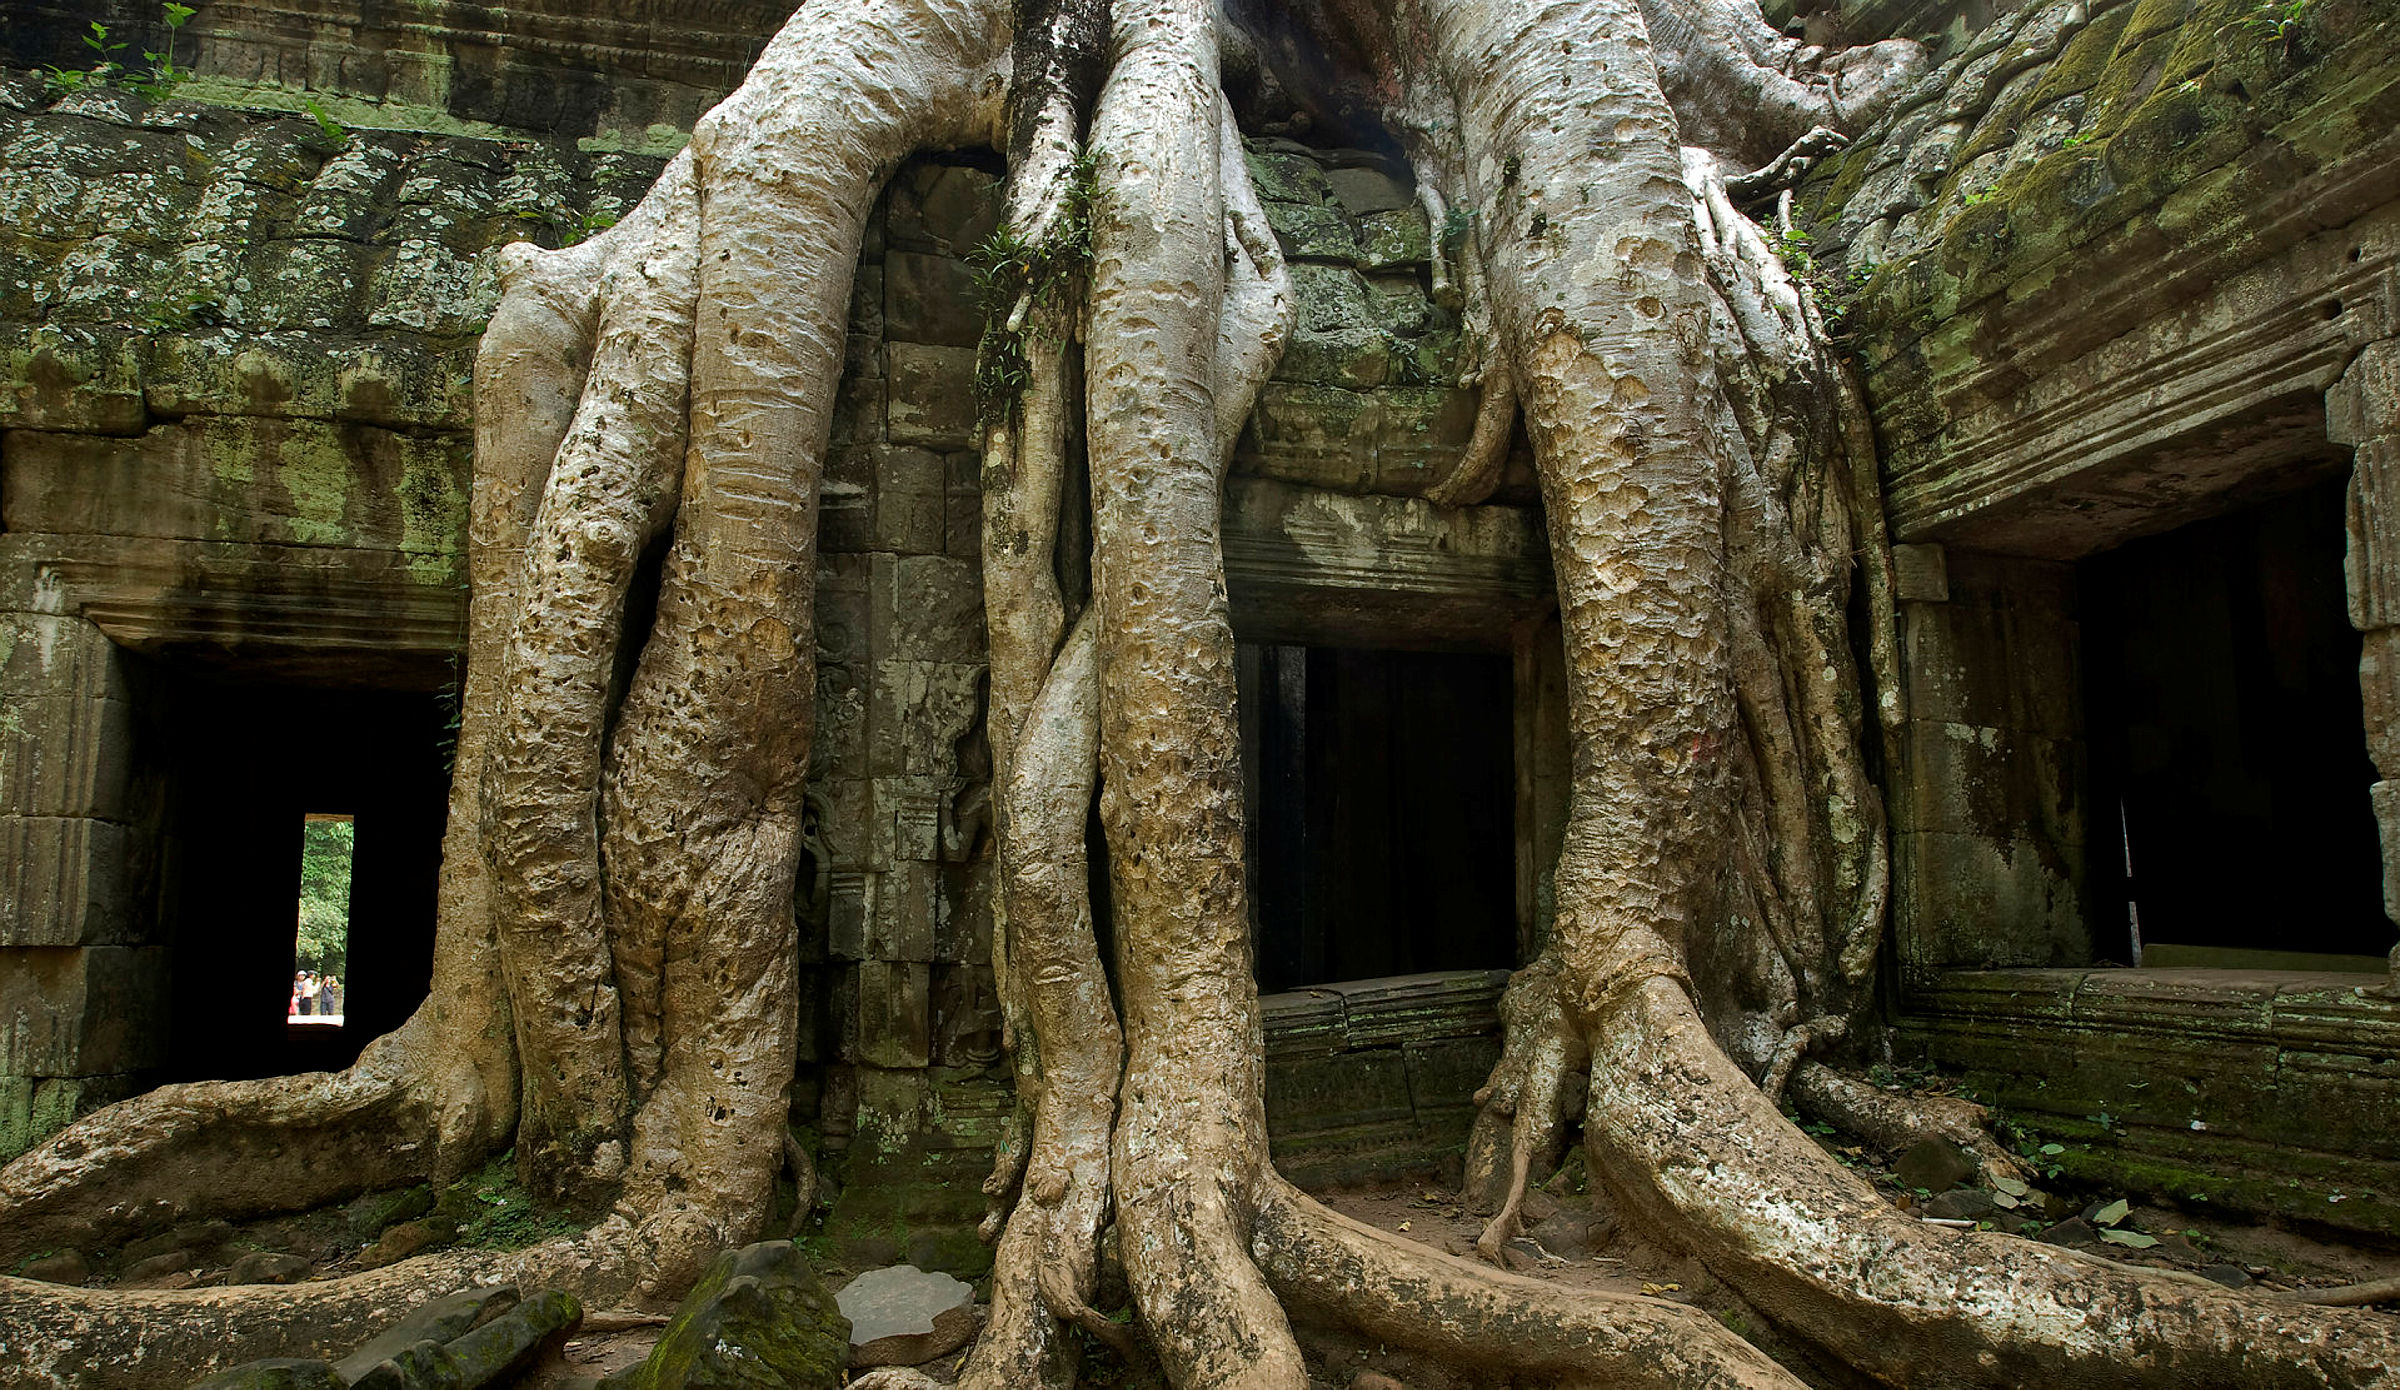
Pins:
x,y
235,436
2115,266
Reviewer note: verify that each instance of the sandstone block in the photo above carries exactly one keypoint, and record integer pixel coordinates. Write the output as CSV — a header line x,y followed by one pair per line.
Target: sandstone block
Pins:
x,y
66,881
866,304
247,479
908,906
1315,435
1288,177
758,1316
930,395
439,1321
1365,190
58,655
850,911
930,299
2379,685
492,1354
65,756
963,931
1314,232
2365,404
1919,574
911,807
894,1021
85,380
943,208
1313,1094
1389,240
2386,800
841,737
905,1316
917,713
2371,561
927,608
1445,1075
849,829
34,1108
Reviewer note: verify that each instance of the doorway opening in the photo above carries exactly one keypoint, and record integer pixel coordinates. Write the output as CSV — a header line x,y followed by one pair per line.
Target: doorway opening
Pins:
x,y
301,846
1381,812
2231,825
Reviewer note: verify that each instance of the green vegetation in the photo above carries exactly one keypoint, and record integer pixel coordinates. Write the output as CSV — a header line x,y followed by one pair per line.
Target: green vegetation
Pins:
x,y
493,1211
324,941
1009,271
332,136
162,77
2276,21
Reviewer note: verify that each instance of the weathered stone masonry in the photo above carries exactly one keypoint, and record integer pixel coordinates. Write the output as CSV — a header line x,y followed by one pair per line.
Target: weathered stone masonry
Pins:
x,y
2115,267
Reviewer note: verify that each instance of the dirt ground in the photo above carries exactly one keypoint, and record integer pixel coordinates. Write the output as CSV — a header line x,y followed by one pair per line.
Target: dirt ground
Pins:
x,y
1574,1241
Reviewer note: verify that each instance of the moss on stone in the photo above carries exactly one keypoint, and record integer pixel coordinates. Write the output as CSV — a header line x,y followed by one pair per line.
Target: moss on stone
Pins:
x,y
759,1316
2083,60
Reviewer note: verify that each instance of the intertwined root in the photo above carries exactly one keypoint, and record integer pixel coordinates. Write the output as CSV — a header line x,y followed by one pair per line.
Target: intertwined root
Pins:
x,y
626,856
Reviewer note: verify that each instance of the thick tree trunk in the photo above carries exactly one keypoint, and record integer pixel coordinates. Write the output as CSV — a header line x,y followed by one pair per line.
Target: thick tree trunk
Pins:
x,y
626,859
1190,1144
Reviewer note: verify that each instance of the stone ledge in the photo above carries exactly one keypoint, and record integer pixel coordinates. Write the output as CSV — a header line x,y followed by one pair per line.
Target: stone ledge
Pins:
x,y
352,616
2192,1069
1325,567
2236,353
1377,1077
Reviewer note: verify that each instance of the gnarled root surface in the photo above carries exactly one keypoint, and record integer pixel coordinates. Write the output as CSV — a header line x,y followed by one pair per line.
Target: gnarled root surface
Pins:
x,y
616,948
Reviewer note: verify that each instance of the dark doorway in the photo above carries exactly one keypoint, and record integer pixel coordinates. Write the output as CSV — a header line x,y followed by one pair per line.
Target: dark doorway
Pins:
x,y
248,766
2228,759
1381,812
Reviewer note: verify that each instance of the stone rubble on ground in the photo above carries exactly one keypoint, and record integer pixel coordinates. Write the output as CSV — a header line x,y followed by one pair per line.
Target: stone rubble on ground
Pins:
x,y
905,1316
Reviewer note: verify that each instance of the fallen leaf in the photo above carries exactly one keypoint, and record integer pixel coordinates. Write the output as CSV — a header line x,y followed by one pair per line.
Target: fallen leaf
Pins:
x,y
1403,1225
1654,1290
2134,1239
2113,1213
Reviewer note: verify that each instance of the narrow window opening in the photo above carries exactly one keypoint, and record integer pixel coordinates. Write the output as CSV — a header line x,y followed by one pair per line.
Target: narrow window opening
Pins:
x,y
321,947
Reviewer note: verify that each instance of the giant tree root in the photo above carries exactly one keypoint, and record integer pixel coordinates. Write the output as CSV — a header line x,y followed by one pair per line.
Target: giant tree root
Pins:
x,y
1683,1139
1894,1121
623,859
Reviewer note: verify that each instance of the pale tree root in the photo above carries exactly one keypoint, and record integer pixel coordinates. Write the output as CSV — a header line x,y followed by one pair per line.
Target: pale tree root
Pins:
x,y
2363,1295
1524,1111
1188,1149
230,1149
1895,1121
1687,1144
1048,1260
105,1339
1468,1315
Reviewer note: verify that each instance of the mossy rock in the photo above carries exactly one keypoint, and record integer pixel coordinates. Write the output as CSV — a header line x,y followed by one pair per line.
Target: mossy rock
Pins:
x,y
275,1373
759,1317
